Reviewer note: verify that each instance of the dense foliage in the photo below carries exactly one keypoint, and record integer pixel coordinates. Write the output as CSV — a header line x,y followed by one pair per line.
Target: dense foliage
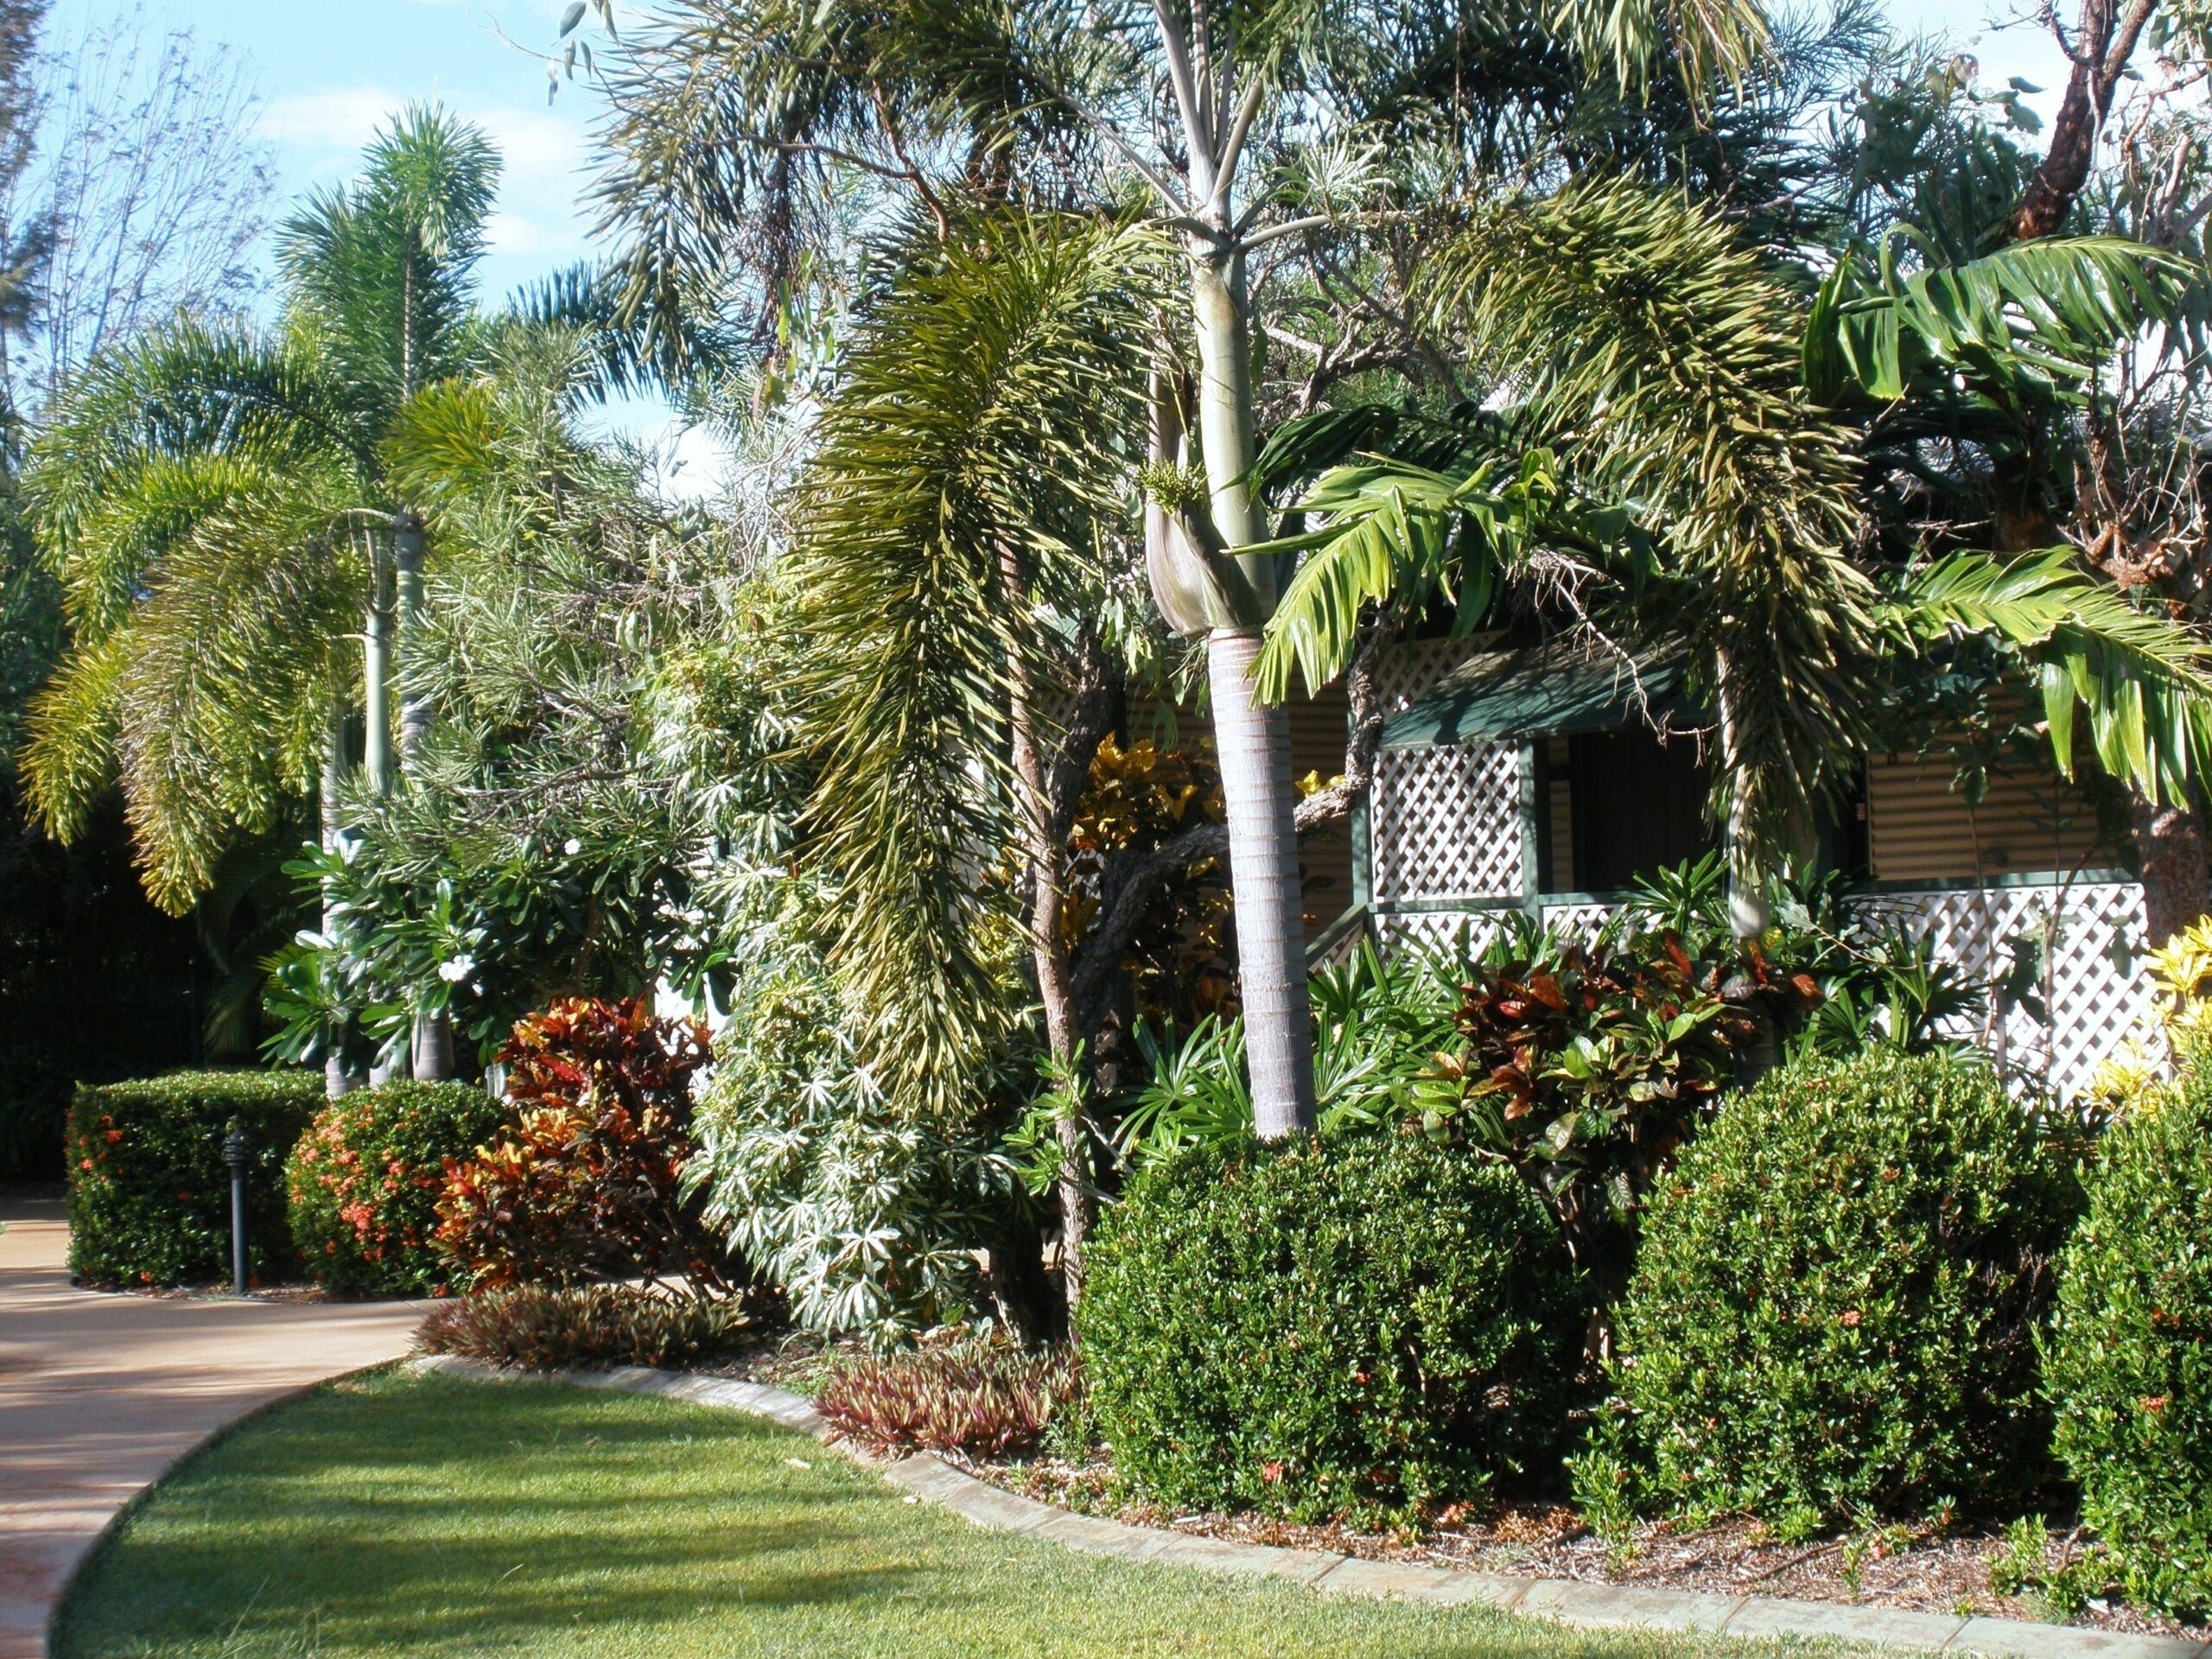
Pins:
x,y
987,1399
1585,1070
2129,1358
1365,1326
150,1194
1836,1302
868,1219
586,1180
364,1182
552,1327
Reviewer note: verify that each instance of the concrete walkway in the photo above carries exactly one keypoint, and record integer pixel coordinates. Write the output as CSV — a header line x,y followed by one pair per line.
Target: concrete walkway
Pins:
x,y
99,1394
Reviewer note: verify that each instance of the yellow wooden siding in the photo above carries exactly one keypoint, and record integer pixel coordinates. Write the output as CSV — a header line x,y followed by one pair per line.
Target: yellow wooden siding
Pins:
x,y
1920,829
1317,747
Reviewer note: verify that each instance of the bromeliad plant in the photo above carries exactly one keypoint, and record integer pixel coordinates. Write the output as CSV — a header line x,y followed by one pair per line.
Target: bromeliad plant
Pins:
x,y
987,1398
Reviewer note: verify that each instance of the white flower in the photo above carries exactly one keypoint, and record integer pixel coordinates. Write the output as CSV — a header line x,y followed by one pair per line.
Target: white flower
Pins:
x,y
572,846
456,971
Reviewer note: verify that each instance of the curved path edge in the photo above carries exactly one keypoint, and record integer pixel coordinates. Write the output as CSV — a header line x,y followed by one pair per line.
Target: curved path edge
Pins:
x,y
1564,1601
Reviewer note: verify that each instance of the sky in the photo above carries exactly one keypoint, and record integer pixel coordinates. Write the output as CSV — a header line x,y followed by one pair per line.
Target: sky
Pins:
x,y
330,71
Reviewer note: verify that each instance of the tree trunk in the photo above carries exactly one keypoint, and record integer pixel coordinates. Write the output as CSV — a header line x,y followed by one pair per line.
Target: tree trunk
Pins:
x,y
2177,870
407,555
430,1042
375,677
1252,741
1048,951
336,1079
2104,37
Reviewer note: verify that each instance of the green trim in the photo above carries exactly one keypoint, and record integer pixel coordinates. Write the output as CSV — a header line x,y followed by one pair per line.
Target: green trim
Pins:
x,y
1352,921
1435,907
2019,878
1531,869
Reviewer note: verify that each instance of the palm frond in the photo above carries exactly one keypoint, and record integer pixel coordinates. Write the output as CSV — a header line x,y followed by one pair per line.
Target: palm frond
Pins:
x,y
177,394
381,271
1660,355
235,657
2030,321
1393,530
991,409
68,762
1710,41
2143,683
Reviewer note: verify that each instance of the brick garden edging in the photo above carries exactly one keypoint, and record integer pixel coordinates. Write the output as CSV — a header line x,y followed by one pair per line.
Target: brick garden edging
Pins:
x,y
1564,1601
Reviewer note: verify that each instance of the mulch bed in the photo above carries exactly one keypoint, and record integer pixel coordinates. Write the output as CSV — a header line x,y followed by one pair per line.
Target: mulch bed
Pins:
x,y
1929,1569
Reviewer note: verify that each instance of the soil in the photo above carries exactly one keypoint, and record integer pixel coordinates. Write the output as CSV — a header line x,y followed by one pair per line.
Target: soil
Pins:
x,y
1935,1567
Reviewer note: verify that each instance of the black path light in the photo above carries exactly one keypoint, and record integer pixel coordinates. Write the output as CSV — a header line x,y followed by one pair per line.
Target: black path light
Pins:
x,y
237,1152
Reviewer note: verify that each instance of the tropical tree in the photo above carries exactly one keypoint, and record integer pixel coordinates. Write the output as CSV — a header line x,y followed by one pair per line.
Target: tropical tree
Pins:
x,y
1716,412
222,510
1238,132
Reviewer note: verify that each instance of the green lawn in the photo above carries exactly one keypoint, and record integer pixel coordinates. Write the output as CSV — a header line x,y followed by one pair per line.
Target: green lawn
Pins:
x,y
403,1514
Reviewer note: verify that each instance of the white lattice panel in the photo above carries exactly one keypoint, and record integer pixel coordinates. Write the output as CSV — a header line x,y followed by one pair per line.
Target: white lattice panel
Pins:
x,y
1468,932
2094,988
1448,822
1583,922
1404,673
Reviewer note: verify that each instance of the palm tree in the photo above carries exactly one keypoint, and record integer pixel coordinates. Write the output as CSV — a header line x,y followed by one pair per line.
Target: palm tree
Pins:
x,y
1246,127
219,506
1709,411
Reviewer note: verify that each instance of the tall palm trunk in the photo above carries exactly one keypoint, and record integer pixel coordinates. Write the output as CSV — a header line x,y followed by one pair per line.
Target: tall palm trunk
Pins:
x,y
430,1042
408,546
336,1079
1251,739
1055,993
376,675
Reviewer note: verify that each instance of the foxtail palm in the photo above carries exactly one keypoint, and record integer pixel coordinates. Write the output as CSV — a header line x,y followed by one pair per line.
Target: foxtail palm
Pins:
x,y
219,506
1192,103
1689,388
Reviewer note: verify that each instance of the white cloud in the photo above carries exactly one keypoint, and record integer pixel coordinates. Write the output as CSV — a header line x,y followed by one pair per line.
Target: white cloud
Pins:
x,y
341,119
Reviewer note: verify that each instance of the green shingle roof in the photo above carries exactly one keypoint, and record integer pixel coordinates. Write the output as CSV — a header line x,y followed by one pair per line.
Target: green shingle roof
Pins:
x,y
1540,691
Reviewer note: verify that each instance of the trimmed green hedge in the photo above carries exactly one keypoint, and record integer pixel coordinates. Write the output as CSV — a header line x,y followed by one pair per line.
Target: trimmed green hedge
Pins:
x,y
2129,1358
1836,1298
150,1196
1361,1326
365,1181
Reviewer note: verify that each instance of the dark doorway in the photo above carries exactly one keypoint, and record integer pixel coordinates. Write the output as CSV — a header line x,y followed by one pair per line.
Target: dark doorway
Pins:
x,y
1639,804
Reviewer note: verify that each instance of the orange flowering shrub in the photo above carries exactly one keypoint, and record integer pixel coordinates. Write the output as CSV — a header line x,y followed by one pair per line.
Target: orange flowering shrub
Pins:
x,y
588,1180
364,1184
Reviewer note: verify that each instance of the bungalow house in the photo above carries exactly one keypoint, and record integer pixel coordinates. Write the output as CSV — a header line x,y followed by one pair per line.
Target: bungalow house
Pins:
x,y
1533,780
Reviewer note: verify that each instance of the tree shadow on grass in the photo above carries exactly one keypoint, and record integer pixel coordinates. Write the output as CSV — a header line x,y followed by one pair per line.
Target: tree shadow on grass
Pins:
x,y
407,1515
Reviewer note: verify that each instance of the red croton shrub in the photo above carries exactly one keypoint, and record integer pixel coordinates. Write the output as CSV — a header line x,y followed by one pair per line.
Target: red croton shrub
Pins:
x,y
586,1180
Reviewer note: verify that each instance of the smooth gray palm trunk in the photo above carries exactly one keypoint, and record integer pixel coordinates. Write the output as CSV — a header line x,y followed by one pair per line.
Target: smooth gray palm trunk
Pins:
x,y
336,1079
430,1041
1251,741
